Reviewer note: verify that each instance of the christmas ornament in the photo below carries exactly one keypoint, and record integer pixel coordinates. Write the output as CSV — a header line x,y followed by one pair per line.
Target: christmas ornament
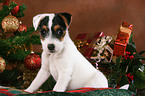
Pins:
x,y
22,27
6,2
32,61
15,10
2,64
10,23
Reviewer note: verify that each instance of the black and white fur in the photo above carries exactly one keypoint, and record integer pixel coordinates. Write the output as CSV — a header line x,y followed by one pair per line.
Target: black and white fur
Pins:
x,y
60,57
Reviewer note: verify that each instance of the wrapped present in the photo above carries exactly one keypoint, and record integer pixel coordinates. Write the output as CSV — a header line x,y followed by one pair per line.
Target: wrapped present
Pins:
x,y
102,50
86,42
122,39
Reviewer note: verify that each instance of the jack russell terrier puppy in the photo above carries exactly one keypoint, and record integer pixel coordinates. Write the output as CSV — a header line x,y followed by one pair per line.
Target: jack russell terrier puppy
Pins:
x,y
60,57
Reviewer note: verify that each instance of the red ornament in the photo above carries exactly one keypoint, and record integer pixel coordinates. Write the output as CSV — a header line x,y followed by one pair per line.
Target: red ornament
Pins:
x,y
32,61
22,28
15,10
6,2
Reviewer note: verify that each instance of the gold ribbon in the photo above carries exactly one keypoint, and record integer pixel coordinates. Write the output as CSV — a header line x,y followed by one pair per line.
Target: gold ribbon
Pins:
x,y
125,30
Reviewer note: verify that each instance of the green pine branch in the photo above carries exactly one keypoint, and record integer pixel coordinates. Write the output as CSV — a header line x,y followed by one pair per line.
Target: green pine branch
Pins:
x,y
21,11
18,46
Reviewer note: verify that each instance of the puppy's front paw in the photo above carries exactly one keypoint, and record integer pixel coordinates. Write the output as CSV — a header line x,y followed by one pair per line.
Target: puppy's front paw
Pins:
x,y
29,91
57,89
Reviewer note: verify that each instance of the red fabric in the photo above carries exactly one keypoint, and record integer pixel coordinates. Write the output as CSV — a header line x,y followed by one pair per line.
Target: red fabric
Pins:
x,y
6,93
3,90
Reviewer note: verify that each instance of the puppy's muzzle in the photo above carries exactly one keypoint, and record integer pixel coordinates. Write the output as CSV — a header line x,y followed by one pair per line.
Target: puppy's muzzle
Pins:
x,y
51,48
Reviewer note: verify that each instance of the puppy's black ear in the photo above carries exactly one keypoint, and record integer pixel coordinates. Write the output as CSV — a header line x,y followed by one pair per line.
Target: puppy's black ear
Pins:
x,y
66,17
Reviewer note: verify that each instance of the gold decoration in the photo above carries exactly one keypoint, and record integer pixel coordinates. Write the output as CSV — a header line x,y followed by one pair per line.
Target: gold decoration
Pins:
x,y
10,23
2,64
80,44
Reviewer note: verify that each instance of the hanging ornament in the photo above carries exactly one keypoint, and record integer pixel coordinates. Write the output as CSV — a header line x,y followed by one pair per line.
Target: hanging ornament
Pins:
x,y
22,27
2,64
10,23
15,10
32,61
11,3
6,2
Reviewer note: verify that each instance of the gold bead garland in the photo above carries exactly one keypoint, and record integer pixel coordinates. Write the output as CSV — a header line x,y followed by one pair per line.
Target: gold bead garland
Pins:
x,y
80,44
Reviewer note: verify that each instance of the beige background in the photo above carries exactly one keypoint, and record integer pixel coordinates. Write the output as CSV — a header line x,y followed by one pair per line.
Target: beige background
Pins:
x,y
91,16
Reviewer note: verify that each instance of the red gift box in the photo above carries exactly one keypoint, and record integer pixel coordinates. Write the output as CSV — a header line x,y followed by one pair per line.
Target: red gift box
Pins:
x,y
86,42
122,39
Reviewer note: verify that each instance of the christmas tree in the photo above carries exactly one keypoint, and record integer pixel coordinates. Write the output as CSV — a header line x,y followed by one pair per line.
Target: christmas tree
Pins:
x,y
16,43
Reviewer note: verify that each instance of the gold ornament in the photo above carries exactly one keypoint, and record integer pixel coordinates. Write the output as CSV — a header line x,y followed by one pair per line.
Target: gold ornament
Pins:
x,y
10,23
2,64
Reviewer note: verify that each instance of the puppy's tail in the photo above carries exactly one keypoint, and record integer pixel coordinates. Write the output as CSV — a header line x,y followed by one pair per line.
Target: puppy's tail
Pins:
x,y
125,87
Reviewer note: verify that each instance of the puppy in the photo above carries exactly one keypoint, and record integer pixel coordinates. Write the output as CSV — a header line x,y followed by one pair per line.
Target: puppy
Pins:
x,y
60,57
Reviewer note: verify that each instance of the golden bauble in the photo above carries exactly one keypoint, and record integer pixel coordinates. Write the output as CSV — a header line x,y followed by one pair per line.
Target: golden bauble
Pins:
x,y
2,64
10,23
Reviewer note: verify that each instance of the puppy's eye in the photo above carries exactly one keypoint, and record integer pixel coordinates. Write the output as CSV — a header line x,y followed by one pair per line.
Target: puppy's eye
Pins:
x,y
59,33
43,33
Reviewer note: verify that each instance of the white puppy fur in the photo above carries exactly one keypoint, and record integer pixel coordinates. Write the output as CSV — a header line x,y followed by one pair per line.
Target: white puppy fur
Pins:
x,y
67,65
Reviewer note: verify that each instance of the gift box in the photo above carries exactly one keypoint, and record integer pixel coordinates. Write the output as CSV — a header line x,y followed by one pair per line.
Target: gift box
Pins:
x,y
86,42
122,39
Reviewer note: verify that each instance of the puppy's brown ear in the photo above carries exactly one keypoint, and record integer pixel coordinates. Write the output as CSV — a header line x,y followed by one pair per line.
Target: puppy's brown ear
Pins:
x,y
66,17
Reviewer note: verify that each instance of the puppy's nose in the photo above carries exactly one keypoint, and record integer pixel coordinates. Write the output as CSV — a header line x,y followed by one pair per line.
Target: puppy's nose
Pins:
x,y
51,46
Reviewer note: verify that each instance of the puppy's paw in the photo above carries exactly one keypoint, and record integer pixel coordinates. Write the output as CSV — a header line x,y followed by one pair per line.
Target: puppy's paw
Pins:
x,y
29,91
57,89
